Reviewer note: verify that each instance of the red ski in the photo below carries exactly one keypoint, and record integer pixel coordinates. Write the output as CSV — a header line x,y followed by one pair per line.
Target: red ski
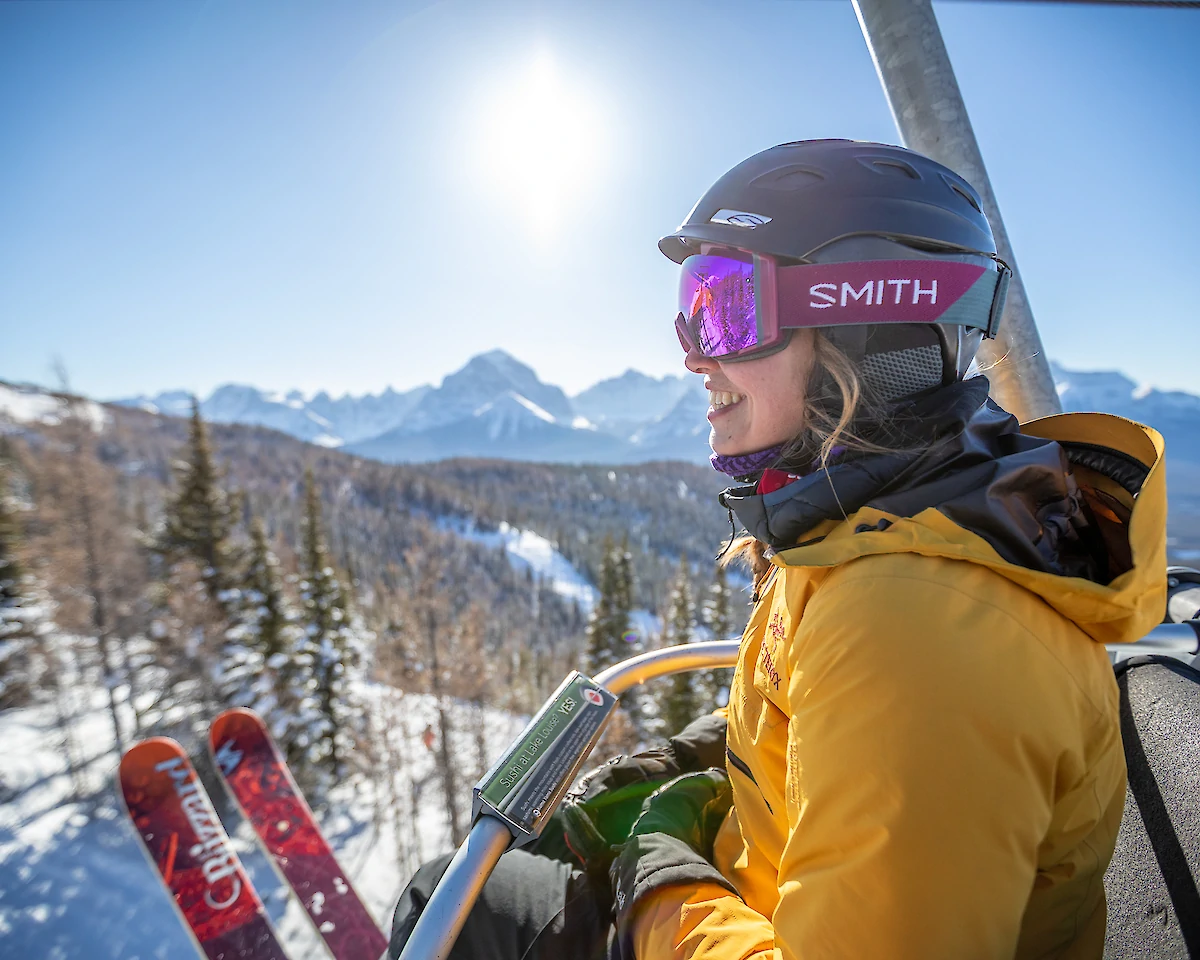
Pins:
x,y
186,843
258,777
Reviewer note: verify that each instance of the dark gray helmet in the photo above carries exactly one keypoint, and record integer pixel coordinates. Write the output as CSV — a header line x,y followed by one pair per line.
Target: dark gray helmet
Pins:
x,y
825,201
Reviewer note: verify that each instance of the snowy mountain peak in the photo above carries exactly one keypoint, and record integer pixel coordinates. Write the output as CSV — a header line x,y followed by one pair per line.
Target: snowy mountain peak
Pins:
x,y
329,423
632,396
484,379
1111,391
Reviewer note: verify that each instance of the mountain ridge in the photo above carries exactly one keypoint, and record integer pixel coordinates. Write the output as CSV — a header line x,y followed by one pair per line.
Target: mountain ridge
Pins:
x,y
497,406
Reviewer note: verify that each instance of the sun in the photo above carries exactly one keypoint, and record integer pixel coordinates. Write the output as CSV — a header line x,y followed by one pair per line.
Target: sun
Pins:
x,y
542,143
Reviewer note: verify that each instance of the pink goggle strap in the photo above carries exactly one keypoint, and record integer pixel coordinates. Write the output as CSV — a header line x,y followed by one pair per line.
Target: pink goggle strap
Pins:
x,y
889,291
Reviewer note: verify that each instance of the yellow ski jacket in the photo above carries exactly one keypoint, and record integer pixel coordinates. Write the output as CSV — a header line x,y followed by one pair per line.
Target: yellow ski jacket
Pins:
x,y
923,737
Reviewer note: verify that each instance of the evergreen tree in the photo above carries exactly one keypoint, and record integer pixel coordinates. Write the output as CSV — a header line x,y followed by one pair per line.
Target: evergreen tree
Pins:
x,y
680,694
609,624
269,627
609,634
338,643
716,616
264,658
264,594
201,516
196,601
624,596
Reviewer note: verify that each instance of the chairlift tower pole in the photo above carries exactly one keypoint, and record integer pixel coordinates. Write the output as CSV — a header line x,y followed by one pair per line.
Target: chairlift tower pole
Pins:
x,y
917,77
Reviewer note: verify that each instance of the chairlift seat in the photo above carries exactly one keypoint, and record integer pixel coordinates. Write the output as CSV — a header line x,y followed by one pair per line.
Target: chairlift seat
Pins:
x,y
1153,882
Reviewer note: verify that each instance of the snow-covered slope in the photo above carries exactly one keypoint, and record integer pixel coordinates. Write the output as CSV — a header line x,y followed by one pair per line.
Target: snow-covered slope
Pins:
x,y
620,405
28,404
526,549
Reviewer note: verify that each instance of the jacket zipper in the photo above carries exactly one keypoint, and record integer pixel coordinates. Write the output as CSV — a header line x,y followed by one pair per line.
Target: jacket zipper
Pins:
x,y
743,767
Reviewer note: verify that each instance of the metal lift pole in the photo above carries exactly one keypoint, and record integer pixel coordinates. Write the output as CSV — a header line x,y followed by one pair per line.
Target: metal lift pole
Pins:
x,y
917,77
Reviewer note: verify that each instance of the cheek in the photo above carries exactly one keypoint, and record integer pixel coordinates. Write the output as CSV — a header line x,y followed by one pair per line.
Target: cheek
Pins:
x,y
776,404
782,417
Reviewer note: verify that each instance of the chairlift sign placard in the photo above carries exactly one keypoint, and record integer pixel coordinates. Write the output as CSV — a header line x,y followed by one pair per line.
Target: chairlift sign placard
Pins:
x,y
525,785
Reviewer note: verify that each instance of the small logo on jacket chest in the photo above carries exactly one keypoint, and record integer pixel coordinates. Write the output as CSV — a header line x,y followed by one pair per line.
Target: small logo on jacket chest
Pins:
x,y
777,635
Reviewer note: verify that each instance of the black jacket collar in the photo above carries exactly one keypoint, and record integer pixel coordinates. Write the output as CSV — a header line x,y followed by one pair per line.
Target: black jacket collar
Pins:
x,y
972,463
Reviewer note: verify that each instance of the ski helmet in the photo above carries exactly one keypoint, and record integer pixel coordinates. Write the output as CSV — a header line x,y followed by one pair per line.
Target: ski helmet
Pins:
x,y
851,202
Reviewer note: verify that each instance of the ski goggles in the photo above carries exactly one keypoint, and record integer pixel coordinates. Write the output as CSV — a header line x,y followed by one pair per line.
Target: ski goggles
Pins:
x,y
743,306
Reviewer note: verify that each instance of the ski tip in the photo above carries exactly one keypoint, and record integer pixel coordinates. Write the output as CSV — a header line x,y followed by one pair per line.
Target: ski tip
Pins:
x,y
232,719
143,752
142,764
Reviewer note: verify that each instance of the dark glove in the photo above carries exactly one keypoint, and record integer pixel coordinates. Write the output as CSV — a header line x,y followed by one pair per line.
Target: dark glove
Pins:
x,y
698,746
671,843
690,808
598,813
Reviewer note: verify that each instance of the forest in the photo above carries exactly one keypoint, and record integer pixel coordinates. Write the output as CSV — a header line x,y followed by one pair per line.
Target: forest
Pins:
x,y
194,567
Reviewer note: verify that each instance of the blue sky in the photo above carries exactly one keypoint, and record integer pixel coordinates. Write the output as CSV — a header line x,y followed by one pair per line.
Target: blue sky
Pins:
x,y
331,196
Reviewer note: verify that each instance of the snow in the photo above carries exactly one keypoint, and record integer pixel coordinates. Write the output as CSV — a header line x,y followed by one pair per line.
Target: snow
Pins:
x,y
528,549
75,884
30,405
533,408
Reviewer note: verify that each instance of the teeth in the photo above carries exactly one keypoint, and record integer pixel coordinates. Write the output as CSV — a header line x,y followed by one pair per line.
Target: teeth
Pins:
x,y
719,398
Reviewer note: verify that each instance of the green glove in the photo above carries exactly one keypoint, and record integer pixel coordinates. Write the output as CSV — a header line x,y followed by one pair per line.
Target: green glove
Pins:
x,y
598,813
600,809
690,808
671,843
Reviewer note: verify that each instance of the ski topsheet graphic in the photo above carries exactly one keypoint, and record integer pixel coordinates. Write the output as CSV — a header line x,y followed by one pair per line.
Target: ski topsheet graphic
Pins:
x,y
259,780
188,846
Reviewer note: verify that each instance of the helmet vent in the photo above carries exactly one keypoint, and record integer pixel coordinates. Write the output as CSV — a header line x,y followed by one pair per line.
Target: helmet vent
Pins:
x,y
890,167
965,194
791,177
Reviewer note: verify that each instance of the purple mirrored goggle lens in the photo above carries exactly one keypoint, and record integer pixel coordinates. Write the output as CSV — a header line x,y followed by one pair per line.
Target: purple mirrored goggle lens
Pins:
x,y
719,317
716,306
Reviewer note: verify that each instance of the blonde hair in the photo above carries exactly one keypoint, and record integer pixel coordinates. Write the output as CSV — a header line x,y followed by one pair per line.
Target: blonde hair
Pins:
x,y
840,411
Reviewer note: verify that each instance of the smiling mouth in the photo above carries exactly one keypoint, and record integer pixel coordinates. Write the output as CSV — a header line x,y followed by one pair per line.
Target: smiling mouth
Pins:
x,y
721,400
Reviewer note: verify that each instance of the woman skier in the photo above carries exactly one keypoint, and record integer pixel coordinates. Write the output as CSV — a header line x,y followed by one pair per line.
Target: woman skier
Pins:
x,y
921,754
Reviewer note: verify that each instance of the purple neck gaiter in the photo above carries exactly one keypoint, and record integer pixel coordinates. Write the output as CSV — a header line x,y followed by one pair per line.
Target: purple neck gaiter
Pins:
x,y
746,463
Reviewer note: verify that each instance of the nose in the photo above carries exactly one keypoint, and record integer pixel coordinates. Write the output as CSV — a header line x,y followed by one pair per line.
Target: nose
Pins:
x,y
698,362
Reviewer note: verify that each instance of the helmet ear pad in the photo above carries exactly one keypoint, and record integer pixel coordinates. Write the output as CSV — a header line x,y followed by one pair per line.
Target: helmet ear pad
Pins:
x,y
897,360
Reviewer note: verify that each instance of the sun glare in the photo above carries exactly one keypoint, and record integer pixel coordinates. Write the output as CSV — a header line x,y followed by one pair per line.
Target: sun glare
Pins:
x,y
542,143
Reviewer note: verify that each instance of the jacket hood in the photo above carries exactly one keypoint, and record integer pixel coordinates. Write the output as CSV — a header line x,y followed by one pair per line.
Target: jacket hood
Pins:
x,y
1071,507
